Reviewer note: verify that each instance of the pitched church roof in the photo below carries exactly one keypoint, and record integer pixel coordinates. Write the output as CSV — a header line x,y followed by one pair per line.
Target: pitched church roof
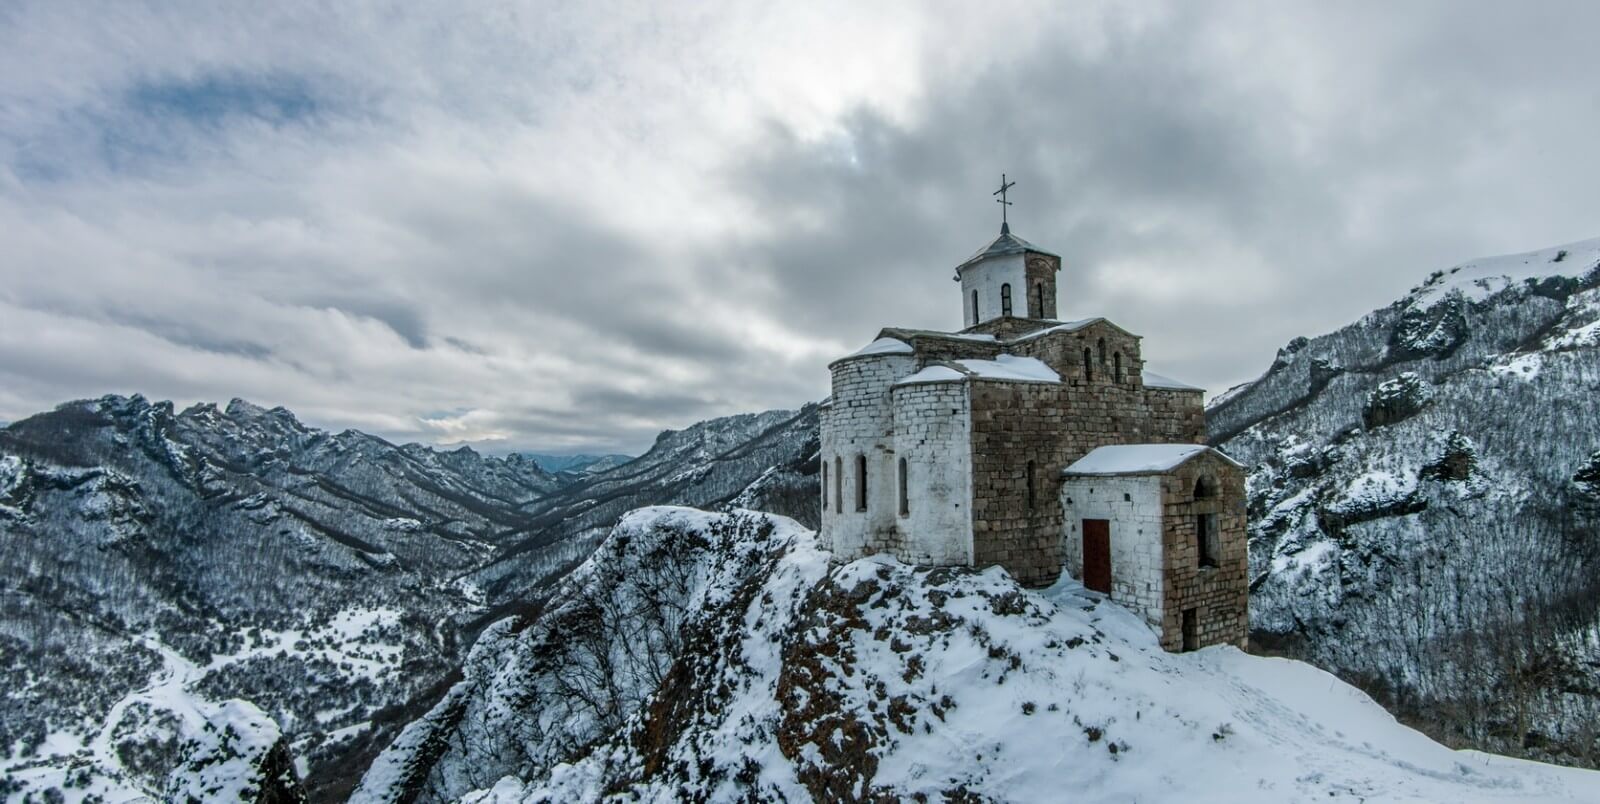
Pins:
x,y
1006,243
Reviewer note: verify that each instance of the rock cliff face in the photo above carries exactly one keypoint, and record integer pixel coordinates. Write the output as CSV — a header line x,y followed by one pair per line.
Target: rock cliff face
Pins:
x,y
724,657
1421,519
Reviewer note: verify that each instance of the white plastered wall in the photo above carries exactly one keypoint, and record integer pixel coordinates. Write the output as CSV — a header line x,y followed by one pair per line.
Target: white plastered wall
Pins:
x,y
860,421
987,278
933,433
1132,504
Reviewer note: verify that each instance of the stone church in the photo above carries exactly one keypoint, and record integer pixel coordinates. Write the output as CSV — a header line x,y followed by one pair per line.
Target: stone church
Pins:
x,y
1042,446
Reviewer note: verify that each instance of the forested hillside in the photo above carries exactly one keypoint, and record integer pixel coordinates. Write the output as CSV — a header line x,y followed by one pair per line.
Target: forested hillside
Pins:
x,y
166,575
1424,502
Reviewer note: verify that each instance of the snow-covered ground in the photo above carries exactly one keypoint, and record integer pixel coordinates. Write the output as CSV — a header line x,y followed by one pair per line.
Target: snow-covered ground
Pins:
x,y
816,681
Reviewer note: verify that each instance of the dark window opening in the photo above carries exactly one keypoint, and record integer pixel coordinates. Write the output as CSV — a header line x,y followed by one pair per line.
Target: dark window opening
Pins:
x,y
861,482
1088,367
1031,492
1116,362
1204,487
1191,630
905,497
1038,291
1102,346
1005,299
838,485
974,306
824,485
1205,537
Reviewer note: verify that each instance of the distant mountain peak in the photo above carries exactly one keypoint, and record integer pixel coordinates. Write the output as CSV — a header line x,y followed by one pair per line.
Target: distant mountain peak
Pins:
x,y
1481,278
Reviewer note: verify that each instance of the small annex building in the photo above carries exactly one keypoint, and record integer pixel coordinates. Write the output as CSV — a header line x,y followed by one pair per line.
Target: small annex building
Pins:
x,y
1179,557
985,447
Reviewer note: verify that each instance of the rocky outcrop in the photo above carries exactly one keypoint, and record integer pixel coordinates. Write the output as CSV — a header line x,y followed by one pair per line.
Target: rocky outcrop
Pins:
x,y
1395,400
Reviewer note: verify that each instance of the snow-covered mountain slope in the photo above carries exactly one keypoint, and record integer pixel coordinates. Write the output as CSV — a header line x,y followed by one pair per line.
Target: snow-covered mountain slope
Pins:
x,y
765,460
721,657
158,564
1424,494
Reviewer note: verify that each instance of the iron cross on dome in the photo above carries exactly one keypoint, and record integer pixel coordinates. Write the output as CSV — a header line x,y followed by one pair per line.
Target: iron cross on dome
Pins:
x,y
1004,186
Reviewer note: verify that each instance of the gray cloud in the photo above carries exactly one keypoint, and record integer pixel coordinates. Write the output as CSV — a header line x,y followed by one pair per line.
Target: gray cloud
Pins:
x,y
567,228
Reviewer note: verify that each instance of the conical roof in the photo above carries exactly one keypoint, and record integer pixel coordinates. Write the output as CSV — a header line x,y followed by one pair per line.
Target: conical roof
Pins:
x,y
1006,243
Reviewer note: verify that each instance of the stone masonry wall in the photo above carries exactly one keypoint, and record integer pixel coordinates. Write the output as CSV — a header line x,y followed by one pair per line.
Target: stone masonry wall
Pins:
x,y
1014,424
1132,504
1041,273
932,434
1009,328
1220,595
1176,415
1052,425
859,421
934,347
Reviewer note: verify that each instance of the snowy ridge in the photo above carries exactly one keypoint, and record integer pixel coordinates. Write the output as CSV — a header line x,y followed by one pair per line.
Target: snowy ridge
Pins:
x,y
799,680
1480,279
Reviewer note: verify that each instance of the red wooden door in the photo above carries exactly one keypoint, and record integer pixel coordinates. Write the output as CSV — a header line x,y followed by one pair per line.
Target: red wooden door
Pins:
x,y
1097,555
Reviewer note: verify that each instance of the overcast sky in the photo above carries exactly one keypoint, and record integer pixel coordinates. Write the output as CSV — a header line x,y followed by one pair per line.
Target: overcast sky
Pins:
x,y
569,226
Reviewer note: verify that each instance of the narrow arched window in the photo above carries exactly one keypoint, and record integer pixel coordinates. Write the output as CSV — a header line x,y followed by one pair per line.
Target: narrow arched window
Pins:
x,y
1038,292
1031,493
905,496
1206,539
861,482
1116,362
974,306
1204,487
838,485
1088,366
1005,298
1102,346
824,485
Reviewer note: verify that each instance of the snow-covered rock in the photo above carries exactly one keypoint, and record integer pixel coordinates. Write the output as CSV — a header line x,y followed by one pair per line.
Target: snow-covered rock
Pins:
x,y
238,756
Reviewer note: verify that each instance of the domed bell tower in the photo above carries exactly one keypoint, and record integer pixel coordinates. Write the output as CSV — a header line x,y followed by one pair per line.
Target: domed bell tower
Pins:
x,y
1009,278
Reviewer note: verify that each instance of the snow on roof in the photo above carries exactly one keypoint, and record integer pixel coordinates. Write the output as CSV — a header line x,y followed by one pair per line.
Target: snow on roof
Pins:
x,y
1138,459
1154,380
883,346
1479,279
1011,367
933,374
1064,326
